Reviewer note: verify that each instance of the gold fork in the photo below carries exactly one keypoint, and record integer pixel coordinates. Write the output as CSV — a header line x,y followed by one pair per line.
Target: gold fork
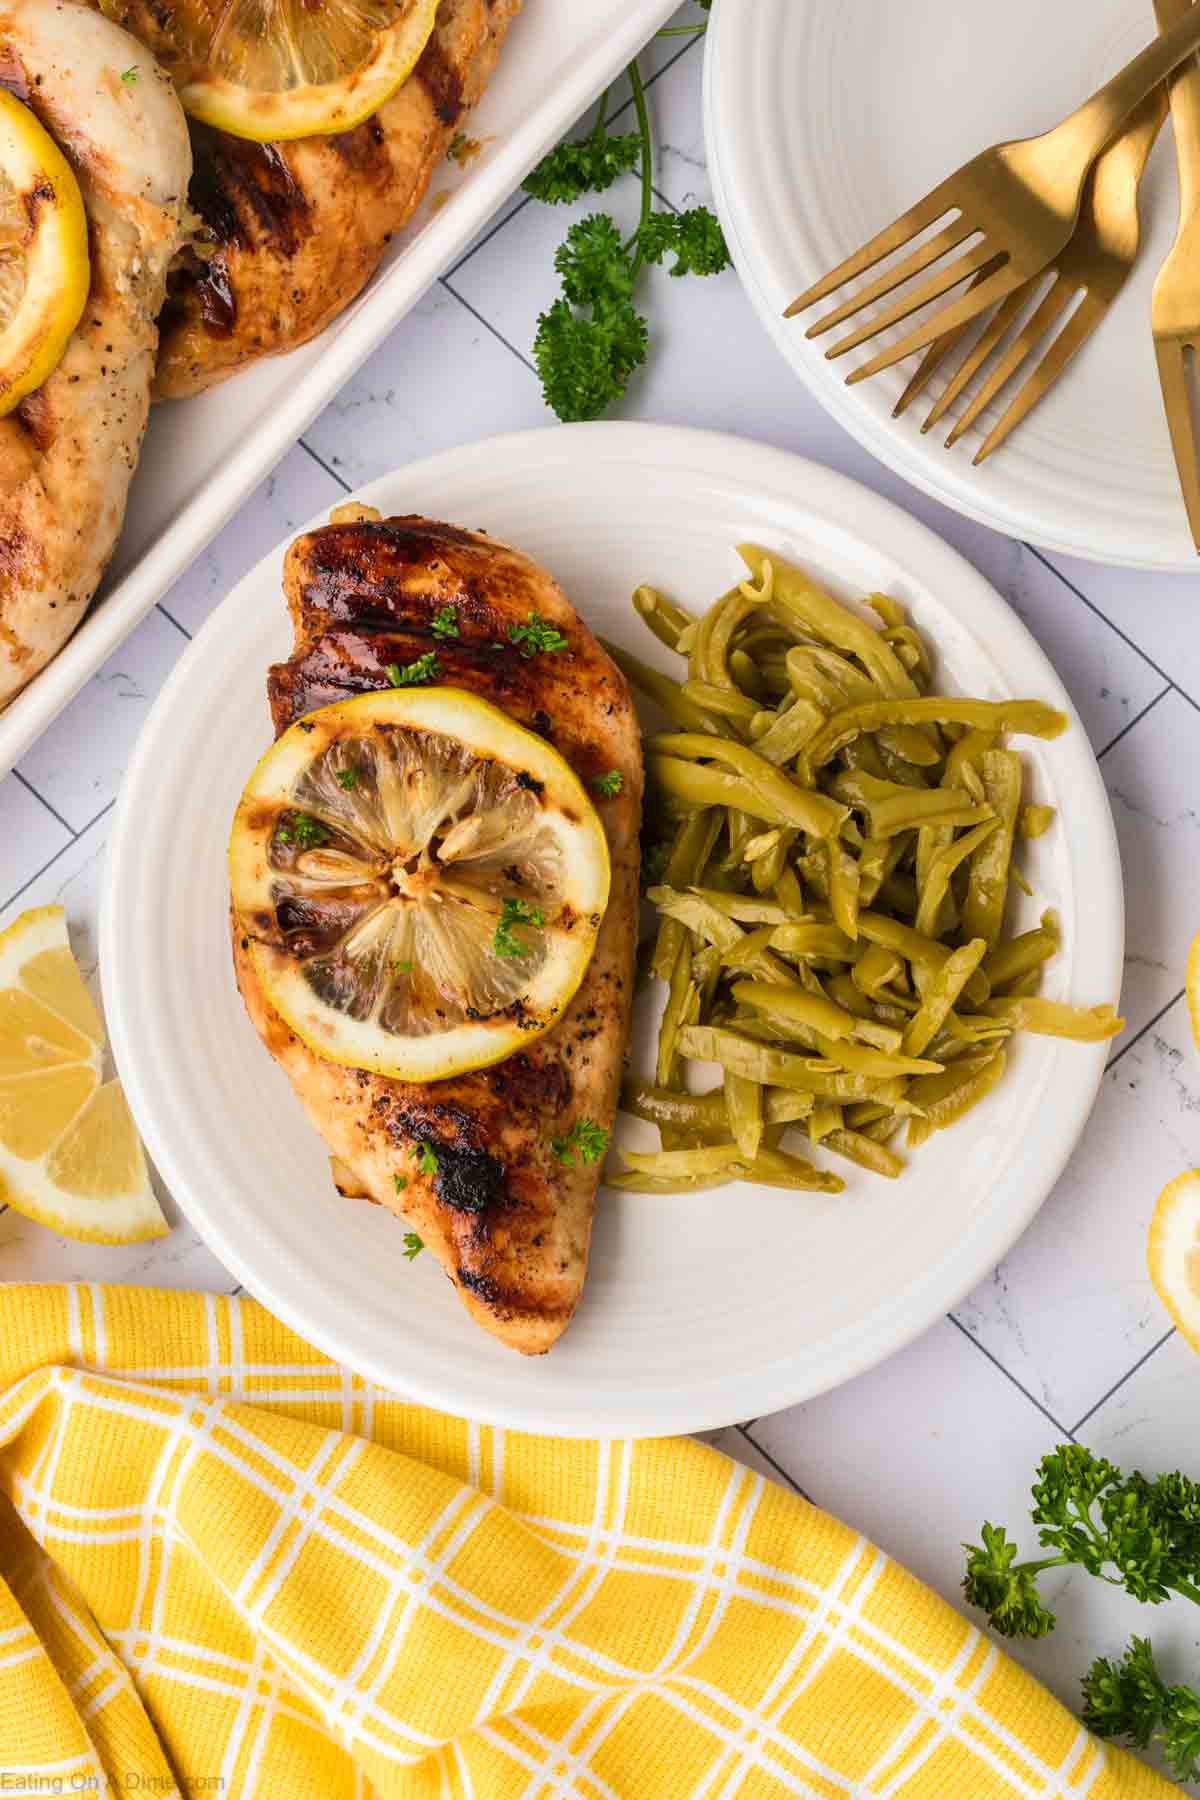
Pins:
x,y
1095,265
1017,202
1175,311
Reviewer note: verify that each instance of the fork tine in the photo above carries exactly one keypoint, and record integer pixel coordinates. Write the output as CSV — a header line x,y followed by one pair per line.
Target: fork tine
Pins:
x,y
932,361
1002,278
1035,328
991,335
950,277
1070,340
1172,373
918,218
929,252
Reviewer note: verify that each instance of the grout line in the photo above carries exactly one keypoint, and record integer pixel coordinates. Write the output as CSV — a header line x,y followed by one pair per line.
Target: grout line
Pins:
x,y
42,801
1009,1376
777,1466
322,464
528,199
61,851
1136,720
1139,1035
488,326
1124,637
1117,1385
182,629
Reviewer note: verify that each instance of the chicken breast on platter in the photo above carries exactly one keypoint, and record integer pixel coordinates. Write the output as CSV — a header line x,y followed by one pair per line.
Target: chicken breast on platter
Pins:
x,y
297,229
69,450
508,1220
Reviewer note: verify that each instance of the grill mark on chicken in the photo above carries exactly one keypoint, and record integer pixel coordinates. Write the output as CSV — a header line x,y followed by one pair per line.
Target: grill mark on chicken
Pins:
x,y
509,1221
443,81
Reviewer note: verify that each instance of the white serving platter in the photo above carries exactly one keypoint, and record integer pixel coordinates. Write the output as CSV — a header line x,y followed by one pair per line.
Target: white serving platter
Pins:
x,y
824,122
203,456
700,1309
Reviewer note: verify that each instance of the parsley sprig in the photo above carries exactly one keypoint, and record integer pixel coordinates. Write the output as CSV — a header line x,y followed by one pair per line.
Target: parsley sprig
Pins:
x,y
302,830
413,674
536,635
586,1137
516,912
444,623
413,1245
1131,1532
593,338
609,785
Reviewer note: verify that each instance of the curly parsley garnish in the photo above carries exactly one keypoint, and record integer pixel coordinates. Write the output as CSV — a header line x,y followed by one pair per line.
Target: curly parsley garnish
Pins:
x,y
536,635
426,1155
1126,1530
302,830
414,673
348,778
586,1137
609,785
593,338
444,623
413,1245
401,1182
515,912
129,76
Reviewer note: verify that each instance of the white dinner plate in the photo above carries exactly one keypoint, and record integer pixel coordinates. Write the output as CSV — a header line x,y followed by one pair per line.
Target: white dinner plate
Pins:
x,y
699,1310
825,122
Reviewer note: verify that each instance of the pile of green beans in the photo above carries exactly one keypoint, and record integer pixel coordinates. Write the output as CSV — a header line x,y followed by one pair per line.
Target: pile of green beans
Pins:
x,y
836,845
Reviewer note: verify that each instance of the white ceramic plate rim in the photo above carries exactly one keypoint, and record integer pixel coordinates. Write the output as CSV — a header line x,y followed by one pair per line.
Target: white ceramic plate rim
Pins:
x,y
715,1397
891,446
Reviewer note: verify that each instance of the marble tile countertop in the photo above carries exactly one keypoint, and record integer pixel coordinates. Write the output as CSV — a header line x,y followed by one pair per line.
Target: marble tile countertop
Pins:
x,y
1066,1338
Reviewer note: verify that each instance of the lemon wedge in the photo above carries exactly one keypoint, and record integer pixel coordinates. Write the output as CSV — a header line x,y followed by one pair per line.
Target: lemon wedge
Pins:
x,y
420,882
1173,1253
1192,983
275,69
70,1155
45,270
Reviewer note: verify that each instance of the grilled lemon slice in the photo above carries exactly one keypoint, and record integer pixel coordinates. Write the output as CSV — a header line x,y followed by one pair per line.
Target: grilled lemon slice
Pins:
x,y
70,1155
420,881
274,69
45,271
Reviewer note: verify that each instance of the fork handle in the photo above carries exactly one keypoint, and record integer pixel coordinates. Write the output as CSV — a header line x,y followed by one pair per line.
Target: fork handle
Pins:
x,y
1185,112
1091,125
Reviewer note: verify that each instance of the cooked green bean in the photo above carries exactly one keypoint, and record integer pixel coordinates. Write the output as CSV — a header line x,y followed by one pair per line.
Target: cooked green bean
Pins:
x,y
792,730
662,1106
965,1084
666,694
794,596
942,866
698,916
987,886
690,852
1034,821
826,1116
1009,962
789,804
744,1104
1029,717
1054,1018
858,1148
782,1068
666,620
940,995
727,702
679,993
813,942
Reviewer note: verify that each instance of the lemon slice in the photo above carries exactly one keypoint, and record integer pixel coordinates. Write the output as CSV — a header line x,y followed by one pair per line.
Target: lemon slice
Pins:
x,y
1173,1253
70,1155
420,881
274,69
45,271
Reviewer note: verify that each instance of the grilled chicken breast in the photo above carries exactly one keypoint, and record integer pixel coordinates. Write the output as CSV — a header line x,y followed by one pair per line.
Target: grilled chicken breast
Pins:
x,y
297,229
507,1220
69,450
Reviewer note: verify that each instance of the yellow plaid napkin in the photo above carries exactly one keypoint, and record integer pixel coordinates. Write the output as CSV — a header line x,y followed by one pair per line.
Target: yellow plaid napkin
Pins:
x,y
228,1566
